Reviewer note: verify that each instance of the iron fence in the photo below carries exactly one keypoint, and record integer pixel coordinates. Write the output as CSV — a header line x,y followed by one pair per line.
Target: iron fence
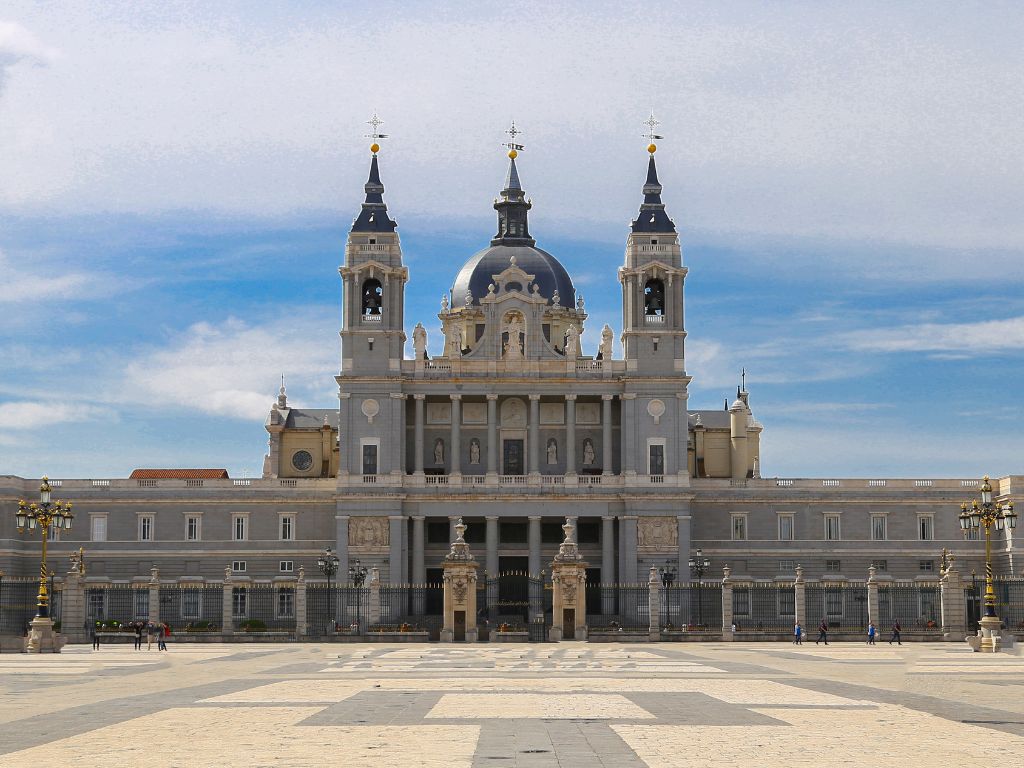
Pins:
x,y
116,605
628,607
192,608
18,598
844,605
692,607
764,607
915,605
334,610
260,607
1010,603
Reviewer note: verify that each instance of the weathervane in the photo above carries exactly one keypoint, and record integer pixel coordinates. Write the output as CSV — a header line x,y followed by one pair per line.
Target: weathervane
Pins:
x,y
651,136
513,148
375,122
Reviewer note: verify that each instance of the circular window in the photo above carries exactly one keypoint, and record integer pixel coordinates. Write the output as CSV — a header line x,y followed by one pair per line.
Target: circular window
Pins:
x,y
302,460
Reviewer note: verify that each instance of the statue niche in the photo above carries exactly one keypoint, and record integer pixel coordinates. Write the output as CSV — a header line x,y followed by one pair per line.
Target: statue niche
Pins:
x,y
513,345
373,297
654,297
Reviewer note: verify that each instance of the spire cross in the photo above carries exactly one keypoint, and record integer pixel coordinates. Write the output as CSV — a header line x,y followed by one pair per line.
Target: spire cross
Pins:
x,y
651,124
511,144
743,378
375,122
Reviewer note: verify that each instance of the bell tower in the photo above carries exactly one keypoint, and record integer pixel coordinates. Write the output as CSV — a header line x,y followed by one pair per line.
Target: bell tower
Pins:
x,y
373,284
652,282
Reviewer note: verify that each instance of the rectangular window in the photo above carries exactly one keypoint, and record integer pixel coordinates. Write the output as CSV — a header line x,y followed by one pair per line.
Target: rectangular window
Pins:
x,y
740,601
973,534
97,606
926,566
785,527
832,527
145,528
787,566
238,566
925,527
191,603
285,603
833,566
192,529
140,604
880,565
834,603
878,527
787,602
99,528
287,528
287,566
238,529
437,532
657,460
369,459
739,527
239,602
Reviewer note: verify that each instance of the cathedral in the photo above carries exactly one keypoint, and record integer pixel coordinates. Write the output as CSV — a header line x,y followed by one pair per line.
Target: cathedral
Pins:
x,y
512,428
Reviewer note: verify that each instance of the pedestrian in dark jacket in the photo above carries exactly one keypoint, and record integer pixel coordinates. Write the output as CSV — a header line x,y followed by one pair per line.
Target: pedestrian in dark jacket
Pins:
x,y
896,633
822,632
138,636
95,637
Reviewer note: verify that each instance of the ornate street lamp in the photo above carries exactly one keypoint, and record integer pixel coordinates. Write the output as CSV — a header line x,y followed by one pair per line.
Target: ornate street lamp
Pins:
x,y
328,565
357,575
668,575
699,565
987,514
42,516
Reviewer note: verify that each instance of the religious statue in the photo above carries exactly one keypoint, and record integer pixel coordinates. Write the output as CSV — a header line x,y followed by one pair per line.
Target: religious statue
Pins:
x,y
469,299
439,451
572,342
454,340
555,298
552,451
77,561
588,452
419,342
474,451
605,351
444,302
514,329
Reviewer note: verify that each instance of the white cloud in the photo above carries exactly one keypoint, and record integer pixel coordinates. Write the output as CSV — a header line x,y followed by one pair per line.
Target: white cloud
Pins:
x,y
18,46
953,340
40,283
233,369
23,415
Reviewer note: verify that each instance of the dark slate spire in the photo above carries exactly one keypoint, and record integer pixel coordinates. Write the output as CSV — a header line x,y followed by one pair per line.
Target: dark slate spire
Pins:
x,y
512,208
374,214
652,216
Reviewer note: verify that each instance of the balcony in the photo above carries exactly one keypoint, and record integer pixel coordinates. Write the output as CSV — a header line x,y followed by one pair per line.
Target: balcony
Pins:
x,y
654,319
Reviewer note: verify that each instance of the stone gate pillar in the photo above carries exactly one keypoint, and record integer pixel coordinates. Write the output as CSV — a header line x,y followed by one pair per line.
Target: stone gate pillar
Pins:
x,y
301,628
459,590
800,599
873,615
154,596
73,621
373,609
654,606
568,589
727,633
227,607
954,606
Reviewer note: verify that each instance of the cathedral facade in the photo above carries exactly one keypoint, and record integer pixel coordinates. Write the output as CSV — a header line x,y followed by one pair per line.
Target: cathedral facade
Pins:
x,y
512,428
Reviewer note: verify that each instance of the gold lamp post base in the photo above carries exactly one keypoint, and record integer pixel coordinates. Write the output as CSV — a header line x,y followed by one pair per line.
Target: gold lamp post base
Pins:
x,y
42,638
988,639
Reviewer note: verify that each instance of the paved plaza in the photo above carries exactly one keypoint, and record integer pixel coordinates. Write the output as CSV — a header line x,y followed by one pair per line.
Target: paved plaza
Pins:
x,y
570,704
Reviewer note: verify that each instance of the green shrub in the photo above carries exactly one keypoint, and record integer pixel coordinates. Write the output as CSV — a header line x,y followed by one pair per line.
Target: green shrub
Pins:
x,y
253,625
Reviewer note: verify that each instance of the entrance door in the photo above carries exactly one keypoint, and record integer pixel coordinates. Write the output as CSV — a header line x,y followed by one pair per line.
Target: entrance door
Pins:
x,y
569,623
460,625
512,459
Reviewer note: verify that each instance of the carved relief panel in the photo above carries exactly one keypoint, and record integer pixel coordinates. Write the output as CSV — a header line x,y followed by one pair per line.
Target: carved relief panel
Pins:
x,y
658,533
368,532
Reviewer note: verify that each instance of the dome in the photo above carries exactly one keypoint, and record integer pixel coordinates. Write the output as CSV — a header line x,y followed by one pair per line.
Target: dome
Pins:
x,y
479,272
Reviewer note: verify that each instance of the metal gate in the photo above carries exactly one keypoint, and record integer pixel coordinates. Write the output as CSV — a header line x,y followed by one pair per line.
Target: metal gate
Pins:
x,y
520,602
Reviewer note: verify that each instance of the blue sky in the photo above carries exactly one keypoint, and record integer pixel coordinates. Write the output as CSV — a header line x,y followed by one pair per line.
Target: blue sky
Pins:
x,y
176,184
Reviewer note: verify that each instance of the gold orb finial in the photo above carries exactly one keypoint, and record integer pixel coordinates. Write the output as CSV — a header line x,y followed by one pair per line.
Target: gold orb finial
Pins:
x,y
375,148
652,148
512,154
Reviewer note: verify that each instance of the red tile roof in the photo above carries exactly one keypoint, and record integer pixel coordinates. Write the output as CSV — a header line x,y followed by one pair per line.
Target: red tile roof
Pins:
x,y
179,474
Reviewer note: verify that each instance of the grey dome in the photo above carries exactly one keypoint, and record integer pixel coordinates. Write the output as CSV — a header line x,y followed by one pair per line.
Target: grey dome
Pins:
x,y
479,272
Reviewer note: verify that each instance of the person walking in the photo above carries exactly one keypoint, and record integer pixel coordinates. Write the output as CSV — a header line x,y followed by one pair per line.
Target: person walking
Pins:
x,y
871,633
95,637
149,635
161,642
896,633
822,632
138,636
798,634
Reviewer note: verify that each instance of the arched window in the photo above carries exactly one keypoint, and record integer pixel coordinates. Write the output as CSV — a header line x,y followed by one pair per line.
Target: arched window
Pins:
x,y
373,297
654,297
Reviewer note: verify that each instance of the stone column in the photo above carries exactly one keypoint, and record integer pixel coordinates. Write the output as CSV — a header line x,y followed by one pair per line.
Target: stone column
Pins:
x,y
534,438
228,626
873,614
800,599
628,449
727,633
341,546
301,619
568,588
154,596
607,564
493,449
459,588
418,436
570,434
682,436
73,621
534,539
455,460
627,549
398,452
491,564
654,605
606,436
419,568
683,548
954,608
373,609
396,564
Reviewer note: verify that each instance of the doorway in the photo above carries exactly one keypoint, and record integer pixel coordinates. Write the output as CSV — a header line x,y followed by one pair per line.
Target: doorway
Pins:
x,y
460,625
568,623
512,456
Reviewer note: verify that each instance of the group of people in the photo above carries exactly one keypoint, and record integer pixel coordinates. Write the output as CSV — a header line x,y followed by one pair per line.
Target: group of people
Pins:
x,y
798,633
161,631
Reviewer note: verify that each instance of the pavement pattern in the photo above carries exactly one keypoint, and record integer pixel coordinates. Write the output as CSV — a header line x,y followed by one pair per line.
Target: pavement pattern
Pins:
x,y
466,706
